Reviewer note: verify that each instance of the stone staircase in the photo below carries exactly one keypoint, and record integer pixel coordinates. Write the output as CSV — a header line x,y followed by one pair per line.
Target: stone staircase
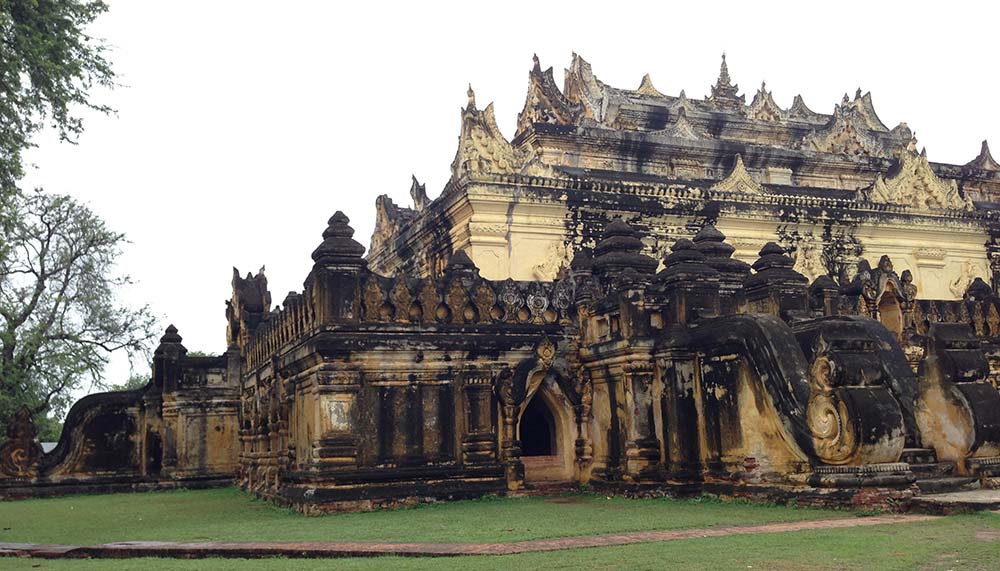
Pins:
x,y
942,491
935,477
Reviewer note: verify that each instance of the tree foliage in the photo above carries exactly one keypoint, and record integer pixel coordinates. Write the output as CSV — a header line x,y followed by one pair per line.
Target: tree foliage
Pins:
x,y
60,314
48,66
134,382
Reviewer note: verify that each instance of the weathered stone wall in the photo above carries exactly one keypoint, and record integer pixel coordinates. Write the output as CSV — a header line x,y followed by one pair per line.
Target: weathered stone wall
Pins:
x,y
367,389
711,374
179,430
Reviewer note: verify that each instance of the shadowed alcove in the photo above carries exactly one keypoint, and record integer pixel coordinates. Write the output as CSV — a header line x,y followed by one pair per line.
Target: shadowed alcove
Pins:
x,y
538,430
546,435
890,314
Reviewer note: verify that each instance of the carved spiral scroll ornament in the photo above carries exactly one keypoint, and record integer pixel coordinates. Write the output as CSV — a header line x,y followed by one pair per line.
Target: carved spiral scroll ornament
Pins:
x,y
20,454
834,437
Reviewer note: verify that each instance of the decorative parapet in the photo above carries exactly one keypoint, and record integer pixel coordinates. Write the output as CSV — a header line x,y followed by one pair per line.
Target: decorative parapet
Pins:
x,y
460,297
284,325
389,218
646,88
983,164
464,301
249,304
799,110
763,107
914,184
583,88
482,148
544,102
850,131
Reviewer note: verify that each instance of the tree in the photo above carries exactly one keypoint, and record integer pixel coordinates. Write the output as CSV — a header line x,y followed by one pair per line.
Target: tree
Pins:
x,y
841,250
60,316
134,382
48,66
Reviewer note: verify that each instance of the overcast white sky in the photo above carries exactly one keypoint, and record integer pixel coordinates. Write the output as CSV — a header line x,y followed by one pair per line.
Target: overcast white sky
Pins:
x,y
242,126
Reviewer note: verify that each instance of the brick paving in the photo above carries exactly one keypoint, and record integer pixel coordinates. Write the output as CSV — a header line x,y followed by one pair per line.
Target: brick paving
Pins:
x,y
321,549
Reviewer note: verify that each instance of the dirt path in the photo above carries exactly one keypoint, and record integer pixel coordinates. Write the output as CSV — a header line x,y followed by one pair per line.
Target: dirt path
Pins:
x,y
318,549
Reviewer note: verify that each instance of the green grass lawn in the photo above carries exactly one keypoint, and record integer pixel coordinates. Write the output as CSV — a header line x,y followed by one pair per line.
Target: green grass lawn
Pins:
x,y
960,542
231,515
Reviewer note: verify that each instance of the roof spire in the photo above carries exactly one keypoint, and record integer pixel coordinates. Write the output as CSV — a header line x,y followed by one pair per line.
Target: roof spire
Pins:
x,y
338,247
418,193
472,97
723,73
537,64
646,87
724,93
984,161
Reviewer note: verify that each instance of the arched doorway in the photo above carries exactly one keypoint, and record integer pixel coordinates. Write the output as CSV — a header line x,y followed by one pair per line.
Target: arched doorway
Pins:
x,y
546,439
538,430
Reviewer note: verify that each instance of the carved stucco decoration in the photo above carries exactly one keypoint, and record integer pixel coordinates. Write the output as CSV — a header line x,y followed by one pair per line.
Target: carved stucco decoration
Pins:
x,y
484,299
993,320
389,218
914,184
429,301
983,164
724,94
646,88
960,283
581,86
544,102
876,282
799,110
809,258
827,416
492,229
546,352
538,302
683,128
930,253
563,295
863,103
505,388
482,148
682,102
418,193
372,299
250,302
510,297
763,107
20,454
739,180
402,299
849,132
555,259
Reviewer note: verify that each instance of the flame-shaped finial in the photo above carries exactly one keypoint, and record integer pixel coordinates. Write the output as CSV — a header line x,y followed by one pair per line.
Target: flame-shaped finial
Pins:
x,y
724,72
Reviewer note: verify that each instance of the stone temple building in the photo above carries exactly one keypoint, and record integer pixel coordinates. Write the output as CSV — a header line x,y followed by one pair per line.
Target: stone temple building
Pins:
x,y
639,292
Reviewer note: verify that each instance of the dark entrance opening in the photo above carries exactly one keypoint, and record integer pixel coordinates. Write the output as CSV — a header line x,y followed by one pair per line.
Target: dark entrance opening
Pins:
x,y
890,314
538,434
